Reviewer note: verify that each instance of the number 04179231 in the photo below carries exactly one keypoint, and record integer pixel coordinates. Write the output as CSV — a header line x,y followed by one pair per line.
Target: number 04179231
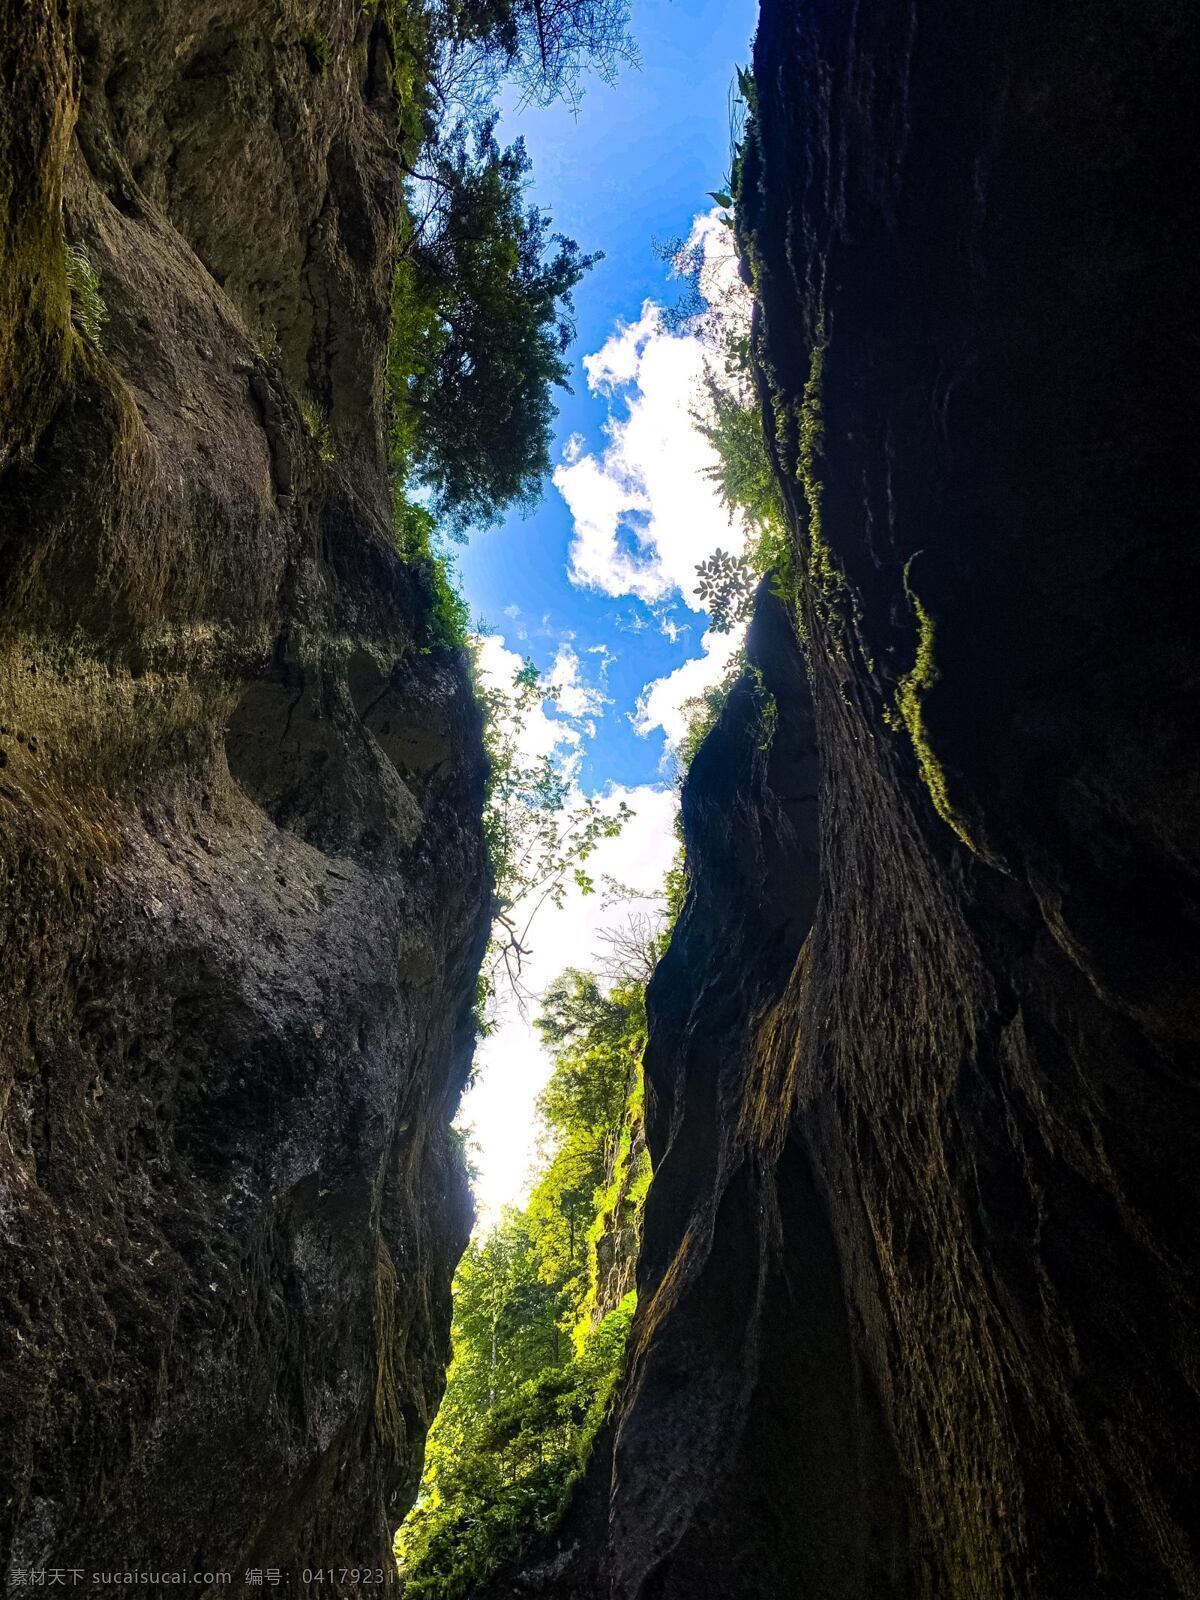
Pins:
x,y
344,1575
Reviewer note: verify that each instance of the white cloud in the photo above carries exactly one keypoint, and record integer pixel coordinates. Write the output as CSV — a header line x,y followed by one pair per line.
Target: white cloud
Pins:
x,y
663,703
711,242
565,716
635,622
511,1065
574,698
574,448
645,511
542,734
671,629
605,659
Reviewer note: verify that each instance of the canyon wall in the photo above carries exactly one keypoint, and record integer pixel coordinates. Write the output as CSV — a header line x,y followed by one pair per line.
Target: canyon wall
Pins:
x,y
918,1310
242,874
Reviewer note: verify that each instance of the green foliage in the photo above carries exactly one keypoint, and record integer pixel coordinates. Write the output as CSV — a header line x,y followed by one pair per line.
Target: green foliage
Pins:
x,y
481,323
744,475
618,1216
543,47
676,885
597,1041
316,49
909,713
415,533
88,311
732,422
703,712
413,28
729,416
266,344
536,1352
413,336
733,426
589,1032
768,716
481,294
316,425
747,482
811,437
540,831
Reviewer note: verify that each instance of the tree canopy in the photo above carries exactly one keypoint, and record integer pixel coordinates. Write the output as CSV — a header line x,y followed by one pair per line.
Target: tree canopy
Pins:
x,y
538,1335
472,368
482,296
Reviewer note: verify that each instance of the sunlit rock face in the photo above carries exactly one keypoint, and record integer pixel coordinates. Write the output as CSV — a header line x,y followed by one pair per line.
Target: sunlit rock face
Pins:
x,y
917,1294
242,877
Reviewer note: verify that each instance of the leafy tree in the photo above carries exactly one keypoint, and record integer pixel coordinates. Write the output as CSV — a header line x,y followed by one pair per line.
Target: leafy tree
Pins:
x,y
550,43
716,306
574,1008
482,293
730,418
598,1041
540,831
732,423
592,1035
482,305
536,1353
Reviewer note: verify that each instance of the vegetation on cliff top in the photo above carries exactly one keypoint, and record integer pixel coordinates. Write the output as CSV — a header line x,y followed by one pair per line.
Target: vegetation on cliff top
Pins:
x,y
481,319
541,1308
481,296
481,324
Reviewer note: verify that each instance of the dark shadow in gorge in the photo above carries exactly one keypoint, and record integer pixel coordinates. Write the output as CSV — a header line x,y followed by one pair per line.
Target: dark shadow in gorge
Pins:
x,y
941,1163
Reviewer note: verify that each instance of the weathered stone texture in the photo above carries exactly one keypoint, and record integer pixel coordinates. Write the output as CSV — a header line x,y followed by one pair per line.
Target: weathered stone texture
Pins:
x,y
241,866
918,1310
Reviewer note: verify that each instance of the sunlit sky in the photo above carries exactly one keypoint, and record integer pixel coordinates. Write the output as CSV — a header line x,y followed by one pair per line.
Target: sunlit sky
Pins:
x,y
597,585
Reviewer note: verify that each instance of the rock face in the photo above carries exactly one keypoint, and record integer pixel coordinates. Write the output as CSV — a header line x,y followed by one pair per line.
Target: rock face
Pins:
x,y
918,1310
242,872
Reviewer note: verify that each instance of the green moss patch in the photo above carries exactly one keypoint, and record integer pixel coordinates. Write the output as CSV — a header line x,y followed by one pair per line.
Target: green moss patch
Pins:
x,y
908,712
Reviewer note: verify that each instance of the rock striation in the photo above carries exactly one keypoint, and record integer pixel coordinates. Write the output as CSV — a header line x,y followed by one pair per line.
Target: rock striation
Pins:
x,y
243,888
918,1308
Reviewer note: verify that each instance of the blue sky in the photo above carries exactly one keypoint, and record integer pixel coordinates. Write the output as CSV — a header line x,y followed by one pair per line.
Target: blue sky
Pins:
x,y
632,168
595,584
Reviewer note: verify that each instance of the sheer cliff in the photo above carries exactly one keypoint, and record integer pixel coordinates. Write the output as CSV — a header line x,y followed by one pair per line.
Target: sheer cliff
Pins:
x,y
241,862
917,1294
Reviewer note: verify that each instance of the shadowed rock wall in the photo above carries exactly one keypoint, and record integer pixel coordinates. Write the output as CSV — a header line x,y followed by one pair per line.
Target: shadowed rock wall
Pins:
x,y
242,880
918,1310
